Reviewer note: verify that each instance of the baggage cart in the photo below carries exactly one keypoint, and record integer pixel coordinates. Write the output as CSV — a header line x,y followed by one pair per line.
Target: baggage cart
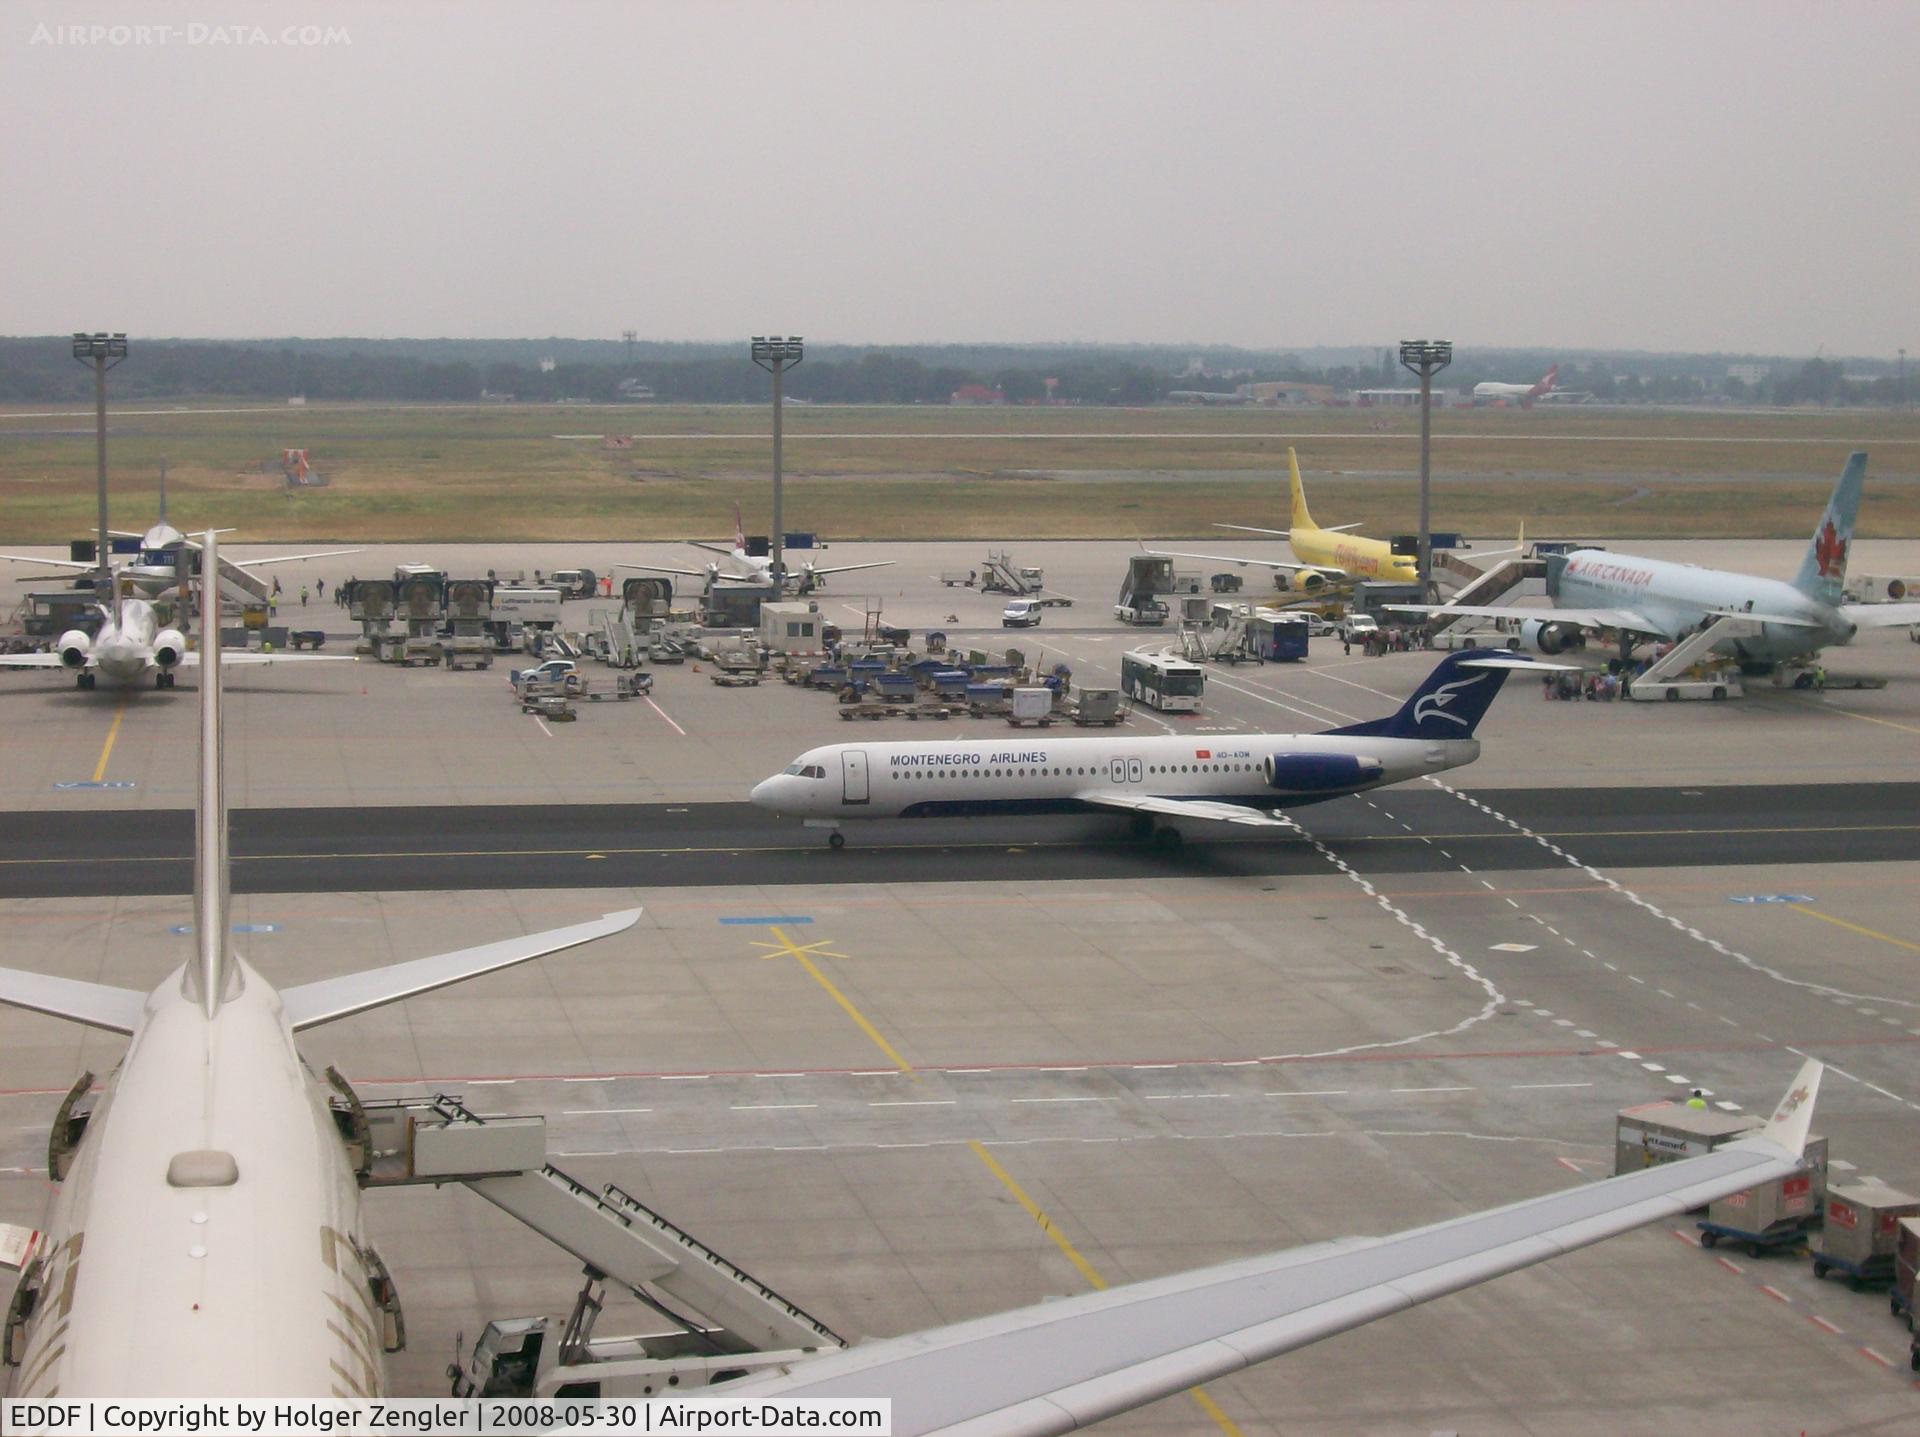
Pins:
x,y
1906,1259
1650,1134
1860,1236
1766,1218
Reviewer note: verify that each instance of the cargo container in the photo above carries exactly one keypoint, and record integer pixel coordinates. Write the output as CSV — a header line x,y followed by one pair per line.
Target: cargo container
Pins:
x,y
1862,1230
1647,1136
1906,1260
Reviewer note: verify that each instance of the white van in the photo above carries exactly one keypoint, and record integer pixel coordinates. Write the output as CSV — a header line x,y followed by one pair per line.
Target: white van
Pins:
x,y
1021,614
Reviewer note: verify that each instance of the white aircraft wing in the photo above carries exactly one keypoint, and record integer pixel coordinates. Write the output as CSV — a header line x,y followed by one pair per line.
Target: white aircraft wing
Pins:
x,y
667,569
95,1004
1182,808
50,563
849,568
311,1004
1064,1364
1240,559
710,548
291,558
191,659
1881,616
30,661
1580,618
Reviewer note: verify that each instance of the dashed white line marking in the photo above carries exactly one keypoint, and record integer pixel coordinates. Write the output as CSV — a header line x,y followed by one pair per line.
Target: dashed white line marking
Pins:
x,y
1523,1087
1775,1293
1818,1321
1655,1067
1584,1033
599,1112
915,1103
1663,992
1178,1097
769,1107
1624,1053
586,1080
1056,1100
1430,1090
1325,1093
685,1078
1632,979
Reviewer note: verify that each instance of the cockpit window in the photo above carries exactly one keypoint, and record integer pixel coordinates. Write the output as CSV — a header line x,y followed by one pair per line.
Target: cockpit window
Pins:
x,y
813,770
797,769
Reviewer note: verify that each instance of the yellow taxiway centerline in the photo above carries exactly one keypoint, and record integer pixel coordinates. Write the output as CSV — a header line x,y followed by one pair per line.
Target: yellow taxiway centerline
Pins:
x,y
1855,927
803,956
106,752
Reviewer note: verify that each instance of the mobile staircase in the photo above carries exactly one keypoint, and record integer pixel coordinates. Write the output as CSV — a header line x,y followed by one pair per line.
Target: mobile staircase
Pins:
x,y
1670,676
1480,587
721,1321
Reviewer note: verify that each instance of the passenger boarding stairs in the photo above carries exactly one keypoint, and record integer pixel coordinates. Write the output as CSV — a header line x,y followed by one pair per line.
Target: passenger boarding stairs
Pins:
x,y
1481,587
619,1239
1667,676
1000,575
623,645
242,586
1224,639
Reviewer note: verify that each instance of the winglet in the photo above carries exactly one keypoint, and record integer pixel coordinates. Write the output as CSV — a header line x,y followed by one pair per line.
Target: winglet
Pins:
x,y
1793,1117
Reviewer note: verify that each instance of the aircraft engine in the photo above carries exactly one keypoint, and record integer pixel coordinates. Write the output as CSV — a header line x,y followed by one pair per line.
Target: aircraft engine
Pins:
x,y
73,648
1318,772
168,646
1301,581
1545,637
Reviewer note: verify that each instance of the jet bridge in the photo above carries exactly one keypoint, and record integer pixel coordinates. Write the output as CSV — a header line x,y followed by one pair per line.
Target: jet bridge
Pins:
x,y
723,1320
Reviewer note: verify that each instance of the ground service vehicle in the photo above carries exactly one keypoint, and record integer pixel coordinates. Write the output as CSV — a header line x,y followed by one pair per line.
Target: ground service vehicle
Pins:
x,y
1021,614
1162,681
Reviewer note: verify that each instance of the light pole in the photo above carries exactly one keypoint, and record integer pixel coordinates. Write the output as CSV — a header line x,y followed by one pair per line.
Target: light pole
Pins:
x,y
774,354
1903,379
1426,358
102,351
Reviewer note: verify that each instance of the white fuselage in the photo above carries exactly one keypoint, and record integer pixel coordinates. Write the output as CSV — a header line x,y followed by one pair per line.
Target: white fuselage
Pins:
x,y
1680,597
1017,774
123,649
253,1289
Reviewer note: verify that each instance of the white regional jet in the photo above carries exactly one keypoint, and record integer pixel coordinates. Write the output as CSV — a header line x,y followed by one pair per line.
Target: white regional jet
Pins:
x,y
206,1240
801,578
131,644
1237,778
1641,598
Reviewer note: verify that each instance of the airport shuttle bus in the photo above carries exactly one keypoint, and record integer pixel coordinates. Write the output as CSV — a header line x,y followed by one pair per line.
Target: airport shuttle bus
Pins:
x,y
1162,681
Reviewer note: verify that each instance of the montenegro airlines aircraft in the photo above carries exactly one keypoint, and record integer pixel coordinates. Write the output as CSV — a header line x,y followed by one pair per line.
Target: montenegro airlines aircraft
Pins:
x,y
206,1240
1641,598
1239,778
131,644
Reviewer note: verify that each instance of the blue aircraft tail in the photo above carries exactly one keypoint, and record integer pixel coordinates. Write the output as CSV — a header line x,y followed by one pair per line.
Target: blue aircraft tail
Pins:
x,y
1451,703
1823,572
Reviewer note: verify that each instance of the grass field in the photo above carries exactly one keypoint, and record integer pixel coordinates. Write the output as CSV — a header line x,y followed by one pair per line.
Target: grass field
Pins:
x,y
489,473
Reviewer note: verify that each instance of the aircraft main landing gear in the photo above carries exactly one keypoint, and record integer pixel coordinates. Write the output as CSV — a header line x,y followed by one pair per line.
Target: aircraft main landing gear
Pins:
x,y
836,840
1167,840
84,681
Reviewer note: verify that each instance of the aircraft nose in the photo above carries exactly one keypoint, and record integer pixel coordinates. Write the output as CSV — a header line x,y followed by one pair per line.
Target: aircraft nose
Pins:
x,y
763,793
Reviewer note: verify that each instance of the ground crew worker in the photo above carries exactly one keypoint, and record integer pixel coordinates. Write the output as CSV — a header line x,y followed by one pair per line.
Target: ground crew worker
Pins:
x,y
303,596
320,587
1697,1100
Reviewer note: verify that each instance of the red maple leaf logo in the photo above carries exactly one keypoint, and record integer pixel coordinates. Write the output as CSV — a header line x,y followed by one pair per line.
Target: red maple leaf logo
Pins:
x,y
1830,552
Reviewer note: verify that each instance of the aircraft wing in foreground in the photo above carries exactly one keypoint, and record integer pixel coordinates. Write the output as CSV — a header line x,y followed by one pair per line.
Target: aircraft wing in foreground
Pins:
x,y
1061,1365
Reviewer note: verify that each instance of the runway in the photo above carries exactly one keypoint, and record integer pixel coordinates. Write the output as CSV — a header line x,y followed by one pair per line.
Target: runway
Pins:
x,y
1417,828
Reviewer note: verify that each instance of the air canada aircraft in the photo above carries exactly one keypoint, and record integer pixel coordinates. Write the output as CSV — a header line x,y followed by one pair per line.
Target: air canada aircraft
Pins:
x,y
206,1239
1324,556
755,568
131,644
1641,599
1237,778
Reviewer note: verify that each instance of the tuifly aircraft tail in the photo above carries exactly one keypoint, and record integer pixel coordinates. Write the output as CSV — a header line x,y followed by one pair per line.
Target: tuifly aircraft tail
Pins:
x,y
1301,518
1453,700
1823,572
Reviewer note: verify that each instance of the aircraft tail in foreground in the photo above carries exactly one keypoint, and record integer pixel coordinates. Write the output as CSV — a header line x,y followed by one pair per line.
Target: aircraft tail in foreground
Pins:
x,y
1452,701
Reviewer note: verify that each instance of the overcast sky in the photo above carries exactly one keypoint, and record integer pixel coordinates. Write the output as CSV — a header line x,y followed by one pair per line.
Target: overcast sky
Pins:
x,y
1660,176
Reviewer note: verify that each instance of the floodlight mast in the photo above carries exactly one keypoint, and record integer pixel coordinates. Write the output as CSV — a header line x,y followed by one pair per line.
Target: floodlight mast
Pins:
x,y
102,351
774,353
1426,358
